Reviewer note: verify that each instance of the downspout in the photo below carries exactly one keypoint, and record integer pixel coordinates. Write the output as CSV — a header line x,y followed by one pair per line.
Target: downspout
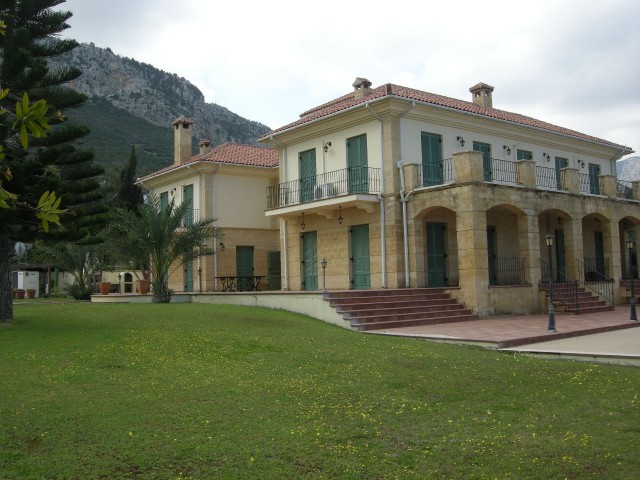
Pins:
x,y
215,226
383,227
404,198
200,194
284,222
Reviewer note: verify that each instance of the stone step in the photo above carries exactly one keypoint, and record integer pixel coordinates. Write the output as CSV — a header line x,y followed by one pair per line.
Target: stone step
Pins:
x,y
391,305
380,317
334,294
378,312
413,322
363,299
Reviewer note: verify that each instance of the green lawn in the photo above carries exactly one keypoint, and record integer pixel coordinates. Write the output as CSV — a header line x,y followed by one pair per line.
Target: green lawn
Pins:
x,y
198,391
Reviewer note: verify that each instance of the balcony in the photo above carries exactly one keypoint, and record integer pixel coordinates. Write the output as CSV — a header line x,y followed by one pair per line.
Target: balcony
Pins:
x,y
192,215
339,183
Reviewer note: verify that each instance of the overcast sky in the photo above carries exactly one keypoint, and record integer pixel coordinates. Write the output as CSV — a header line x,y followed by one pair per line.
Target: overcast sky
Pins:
x,y
575,63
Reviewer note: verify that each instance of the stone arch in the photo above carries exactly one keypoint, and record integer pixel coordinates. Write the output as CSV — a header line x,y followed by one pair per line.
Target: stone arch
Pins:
x,y
507,245
599,250
628,229
436,248
567,244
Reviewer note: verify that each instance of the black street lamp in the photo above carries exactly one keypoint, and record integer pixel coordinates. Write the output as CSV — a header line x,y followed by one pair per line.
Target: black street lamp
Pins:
x,y
323,263
120,282
552,317
630,246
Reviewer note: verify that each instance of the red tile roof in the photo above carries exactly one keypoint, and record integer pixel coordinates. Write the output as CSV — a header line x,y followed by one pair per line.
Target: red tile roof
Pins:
x,y
230,154
390,90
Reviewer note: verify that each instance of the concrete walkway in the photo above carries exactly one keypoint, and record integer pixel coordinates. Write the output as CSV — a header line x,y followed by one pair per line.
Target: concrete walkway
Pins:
x,y
602,337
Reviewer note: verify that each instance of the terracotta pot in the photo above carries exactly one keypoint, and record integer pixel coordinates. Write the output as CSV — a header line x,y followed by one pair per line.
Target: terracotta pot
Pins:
x,y
19,293
143,286
104,288
31,293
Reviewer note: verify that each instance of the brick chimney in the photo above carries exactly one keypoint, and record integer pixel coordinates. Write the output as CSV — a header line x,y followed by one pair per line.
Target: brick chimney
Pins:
x,y
181,140
361,88
481,95
205,146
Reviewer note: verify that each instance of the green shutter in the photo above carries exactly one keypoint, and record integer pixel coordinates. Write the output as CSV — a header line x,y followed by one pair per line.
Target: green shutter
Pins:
x,y
187,197
487,168
309,261
491,253
244,267
357,164
188,275
431,159
594,179
274,273
436,254
360,266
164,199
307,166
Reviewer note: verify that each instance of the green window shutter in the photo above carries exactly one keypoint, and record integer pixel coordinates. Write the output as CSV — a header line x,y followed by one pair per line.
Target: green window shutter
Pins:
x,y
310,261
360,257
485,149
307,168
187,197
432,173
357,164
188,276
594,179
244,266
164,199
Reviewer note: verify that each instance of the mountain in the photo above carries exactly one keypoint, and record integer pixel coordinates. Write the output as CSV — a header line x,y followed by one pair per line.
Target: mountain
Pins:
x,y
629,169
134,103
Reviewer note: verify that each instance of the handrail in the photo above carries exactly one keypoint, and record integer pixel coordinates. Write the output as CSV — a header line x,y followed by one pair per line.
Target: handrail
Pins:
x,y
564,287
597,283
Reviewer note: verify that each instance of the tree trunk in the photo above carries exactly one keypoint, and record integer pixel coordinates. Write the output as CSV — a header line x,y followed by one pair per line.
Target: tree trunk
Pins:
x,y
161,292
6,300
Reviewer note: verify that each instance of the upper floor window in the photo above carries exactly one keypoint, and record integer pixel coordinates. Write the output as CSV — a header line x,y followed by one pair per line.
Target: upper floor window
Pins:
x,y
524,155
432,173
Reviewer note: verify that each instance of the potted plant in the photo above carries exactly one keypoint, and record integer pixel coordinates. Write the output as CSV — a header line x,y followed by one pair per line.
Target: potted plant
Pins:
x,y
31,292
18,293
143,286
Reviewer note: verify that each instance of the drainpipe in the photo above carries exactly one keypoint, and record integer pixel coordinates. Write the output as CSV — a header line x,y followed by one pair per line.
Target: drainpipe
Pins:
x,y
381,199
404,198
283,222
215,240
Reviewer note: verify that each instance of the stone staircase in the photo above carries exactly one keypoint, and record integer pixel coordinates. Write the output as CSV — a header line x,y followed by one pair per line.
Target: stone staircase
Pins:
x,y
566,295
407,307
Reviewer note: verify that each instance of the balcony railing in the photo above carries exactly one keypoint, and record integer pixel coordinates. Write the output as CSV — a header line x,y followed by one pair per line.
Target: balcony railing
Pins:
x,y
589,184
436,173
547,177
190,216
327,185
503,171
594,268
507,271
624,189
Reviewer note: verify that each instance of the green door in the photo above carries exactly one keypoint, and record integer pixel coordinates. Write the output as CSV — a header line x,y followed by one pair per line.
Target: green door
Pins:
x,y
491,254
431,159
244,267
274,273
561,260
164,199
436,256
560,164
594,179
599,244
357,164
309,261
307,166
360,269
187,197
485,149
188,276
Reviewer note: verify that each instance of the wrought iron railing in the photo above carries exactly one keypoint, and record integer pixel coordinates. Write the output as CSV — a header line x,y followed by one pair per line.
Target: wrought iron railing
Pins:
x,y
190,216
503,171
624,189
594,267
589,184
596,282
547,177
327,185
507,271
563,288
437,173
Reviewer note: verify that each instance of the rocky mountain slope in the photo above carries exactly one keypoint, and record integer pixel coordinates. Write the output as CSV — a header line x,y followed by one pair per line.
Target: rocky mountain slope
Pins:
x,y
629,169
134,103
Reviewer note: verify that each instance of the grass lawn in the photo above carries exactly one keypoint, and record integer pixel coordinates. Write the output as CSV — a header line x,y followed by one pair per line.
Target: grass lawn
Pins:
x,y
200,391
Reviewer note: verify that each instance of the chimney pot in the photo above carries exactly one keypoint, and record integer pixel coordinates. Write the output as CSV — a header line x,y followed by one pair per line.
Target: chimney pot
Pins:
x,y
182,140
361,88
481,95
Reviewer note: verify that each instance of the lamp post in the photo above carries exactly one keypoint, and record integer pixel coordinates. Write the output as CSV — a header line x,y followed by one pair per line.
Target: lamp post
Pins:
x,y
630,246
120,282
323,263
552,318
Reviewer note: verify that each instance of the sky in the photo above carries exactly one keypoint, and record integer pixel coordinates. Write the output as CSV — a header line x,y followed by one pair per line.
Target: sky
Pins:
x,y
573,63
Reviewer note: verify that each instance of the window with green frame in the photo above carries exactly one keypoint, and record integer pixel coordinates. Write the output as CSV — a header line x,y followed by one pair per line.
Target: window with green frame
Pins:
x,y
524,155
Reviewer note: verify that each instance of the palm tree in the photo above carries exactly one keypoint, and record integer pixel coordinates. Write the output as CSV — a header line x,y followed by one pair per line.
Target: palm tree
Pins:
x,y
157,236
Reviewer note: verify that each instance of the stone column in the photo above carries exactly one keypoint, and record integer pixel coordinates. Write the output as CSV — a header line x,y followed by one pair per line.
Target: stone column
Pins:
x,y
611,234
467,167
636,190
472,255
573,246
529,246
570,180
527,173
608,184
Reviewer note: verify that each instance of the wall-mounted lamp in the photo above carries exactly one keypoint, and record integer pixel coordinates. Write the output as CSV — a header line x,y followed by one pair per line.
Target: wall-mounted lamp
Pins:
x,y
222,247
581,163
302,225
547,156
507,149
340,219
326,147
172,192
460,140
